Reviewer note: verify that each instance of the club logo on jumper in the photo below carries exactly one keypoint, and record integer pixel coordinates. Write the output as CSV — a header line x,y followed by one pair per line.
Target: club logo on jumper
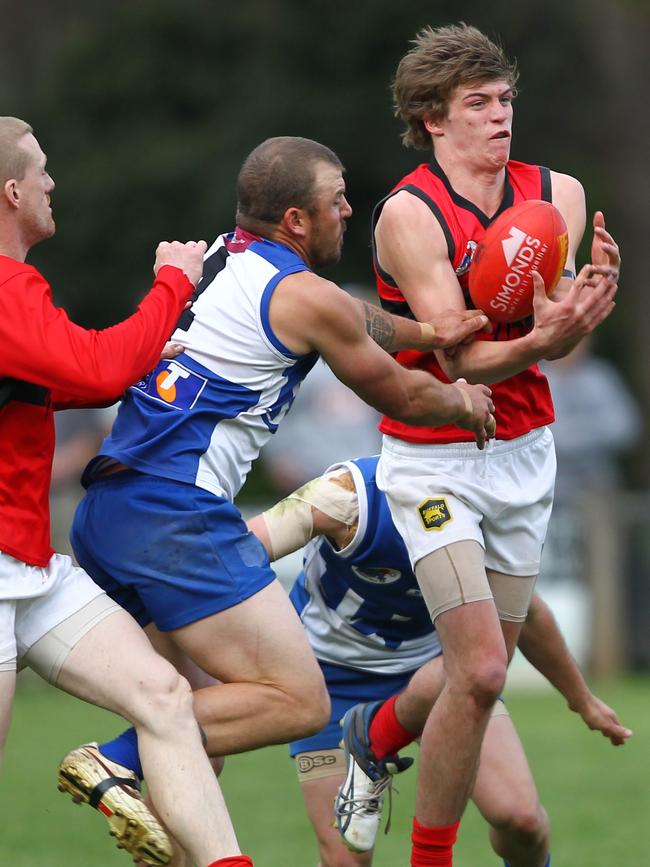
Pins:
x,y
173,384
434,514
466,261
378,574
309,763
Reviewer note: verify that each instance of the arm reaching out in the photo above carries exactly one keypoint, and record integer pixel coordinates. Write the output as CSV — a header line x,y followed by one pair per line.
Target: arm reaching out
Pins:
x,y
543,645
87,367
445,331
308,313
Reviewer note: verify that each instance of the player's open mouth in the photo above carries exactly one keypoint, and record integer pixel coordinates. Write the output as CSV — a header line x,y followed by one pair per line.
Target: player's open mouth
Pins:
x,y
502,134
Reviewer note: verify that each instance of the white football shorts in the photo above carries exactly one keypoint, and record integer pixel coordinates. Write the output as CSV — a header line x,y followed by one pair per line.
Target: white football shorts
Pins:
x,y
500,497
34,600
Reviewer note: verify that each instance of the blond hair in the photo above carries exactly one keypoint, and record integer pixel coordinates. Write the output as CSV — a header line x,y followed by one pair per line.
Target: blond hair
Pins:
x,y
440,61
13,159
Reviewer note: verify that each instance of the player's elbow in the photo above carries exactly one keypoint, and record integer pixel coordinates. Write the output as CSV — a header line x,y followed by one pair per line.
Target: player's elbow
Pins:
x,y
458,366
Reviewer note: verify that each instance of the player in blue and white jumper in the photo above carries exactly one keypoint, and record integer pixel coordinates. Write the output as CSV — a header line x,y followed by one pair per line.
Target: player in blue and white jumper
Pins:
x,y
157,528
367,623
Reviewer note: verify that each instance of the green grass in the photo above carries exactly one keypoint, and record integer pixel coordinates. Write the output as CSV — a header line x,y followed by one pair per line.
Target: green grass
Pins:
x,y
598,797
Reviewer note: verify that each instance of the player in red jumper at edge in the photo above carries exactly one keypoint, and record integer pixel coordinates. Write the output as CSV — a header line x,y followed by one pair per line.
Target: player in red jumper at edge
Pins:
x,y
474,522
52,616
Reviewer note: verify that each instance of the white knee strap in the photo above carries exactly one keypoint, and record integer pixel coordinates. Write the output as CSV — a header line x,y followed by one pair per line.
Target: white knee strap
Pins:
x,y
290,523
318,764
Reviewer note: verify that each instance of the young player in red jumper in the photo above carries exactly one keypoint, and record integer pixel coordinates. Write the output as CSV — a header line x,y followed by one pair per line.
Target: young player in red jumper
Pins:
x,y
473,523
52,616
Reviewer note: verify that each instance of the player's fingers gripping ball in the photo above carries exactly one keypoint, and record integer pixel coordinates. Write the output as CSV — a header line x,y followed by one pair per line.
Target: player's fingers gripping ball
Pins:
x,y
530,236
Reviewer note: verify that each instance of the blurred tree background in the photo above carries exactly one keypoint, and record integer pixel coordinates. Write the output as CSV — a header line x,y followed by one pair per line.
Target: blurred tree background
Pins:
x,y
146,110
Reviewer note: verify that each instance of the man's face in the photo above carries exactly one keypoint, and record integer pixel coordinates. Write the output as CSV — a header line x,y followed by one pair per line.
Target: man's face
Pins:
x,y
478,126
327,223
35,212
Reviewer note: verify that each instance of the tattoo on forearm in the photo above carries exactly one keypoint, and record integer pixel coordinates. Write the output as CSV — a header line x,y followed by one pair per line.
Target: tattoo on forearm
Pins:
x,y
379,326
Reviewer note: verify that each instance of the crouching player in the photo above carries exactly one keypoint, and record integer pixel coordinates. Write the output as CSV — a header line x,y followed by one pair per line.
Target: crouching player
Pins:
x,y
370,630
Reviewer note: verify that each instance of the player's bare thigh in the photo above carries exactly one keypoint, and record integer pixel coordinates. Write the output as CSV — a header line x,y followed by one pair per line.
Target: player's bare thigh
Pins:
x,y
7,690
260,640
8,664
113,664
165,645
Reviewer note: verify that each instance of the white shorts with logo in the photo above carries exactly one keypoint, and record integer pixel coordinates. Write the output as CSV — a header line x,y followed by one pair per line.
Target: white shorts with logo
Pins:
x,y
34,600
500,497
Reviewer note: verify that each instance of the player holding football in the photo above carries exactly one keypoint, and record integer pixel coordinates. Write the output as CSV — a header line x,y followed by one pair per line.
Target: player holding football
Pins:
x,y
53,618
473,523
365,618
157,528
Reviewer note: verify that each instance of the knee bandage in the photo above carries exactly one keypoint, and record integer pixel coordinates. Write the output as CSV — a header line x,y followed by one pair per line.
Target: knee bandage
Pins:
x,y
290,524
512,594
317,764
451,576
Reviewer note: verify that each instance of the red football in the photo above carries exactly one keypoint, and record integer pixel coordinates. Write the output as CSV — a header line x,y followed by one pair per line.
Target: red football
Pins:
x,y
529,236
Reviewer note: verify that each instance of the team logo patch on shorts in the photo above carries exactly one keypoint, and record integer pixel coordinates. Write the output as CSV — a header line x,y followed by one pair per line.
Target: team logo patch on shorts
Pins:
x,y
434,513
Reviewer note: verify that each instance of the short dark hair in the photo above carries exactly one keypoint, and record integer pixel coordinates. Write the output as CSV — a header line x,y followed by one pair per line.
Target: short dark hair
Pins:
x,y
441,60
13,158
279,174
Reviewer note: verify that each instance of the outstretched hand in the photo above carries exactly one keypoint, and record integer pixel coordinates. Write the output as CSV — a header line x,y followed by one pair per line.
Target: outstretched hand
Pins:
x,y
454,327
601,718
560,325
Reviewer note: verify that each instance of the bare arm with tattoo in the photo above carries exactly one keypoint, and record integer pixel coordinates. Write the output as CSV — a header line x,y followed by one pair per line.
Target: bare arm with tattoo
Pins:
x,y
308,313
394,333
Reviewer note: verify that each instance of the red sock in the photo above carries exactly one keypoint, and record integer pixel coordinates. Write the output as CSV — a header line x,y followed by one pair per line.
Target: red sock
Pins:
x,y
387,734
432,847
233,861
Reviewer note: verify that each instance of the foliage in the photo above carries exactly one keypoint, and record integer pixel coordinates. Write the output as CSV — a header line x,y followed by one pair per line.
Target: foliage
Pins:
x,y
147,110
147,118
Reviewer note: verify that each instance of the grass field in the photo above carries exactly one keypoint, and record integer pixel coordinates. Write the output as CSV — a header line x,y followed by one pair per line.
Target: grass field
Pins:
x,y
598,797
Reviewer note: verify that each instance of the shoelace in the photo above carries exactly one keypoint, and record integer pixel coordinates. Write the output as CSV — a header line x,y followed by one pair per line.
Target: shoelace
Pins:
x,y
369,803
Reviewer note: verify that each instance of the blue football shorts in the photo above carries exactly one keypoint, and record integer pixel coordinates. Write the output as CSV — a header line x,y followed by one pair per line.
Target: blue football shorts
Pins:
x,y
167,551
347,687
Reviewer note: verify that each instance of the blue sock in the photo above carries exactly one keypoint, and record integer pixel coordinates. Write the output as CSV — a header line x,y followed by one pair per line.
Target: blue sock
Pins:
x,y
548,862
124,750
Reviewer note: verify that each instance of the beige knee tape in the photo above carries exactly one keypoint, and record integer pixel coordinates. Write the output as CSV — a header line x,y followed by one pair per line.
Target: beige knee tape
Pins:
x,y
290,524
512,595
318,764
453,576
48,655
